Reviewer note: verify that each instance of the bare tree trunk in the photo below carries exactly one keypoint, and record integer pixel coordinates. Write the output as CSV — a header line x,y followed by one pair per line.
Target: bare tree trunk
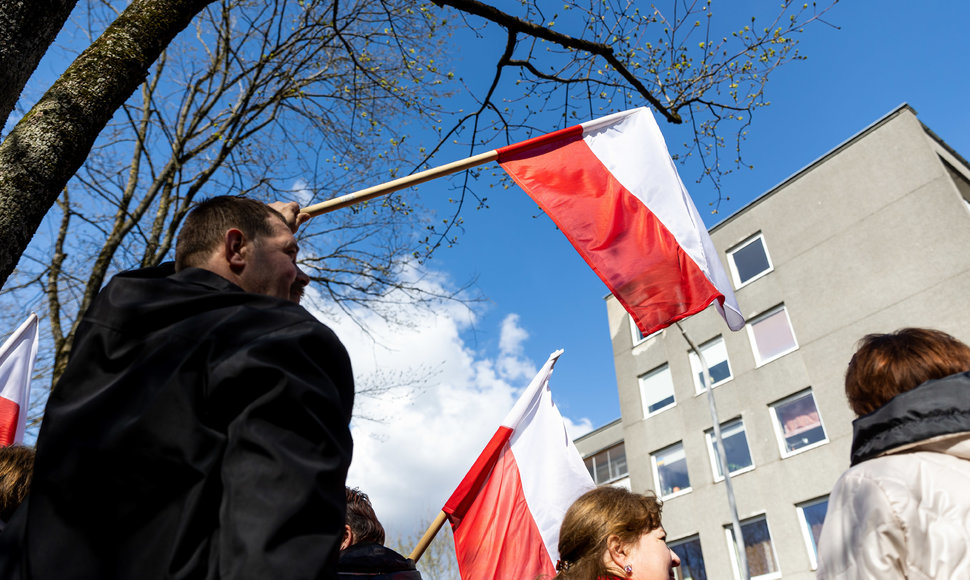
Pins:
x,y
51,142
27,29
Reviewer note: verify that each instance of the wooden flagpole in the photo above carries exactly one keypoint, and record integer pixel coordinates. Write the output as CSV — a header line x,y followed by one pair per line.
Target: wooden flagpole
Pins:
x,y
722,459
428,536
399,184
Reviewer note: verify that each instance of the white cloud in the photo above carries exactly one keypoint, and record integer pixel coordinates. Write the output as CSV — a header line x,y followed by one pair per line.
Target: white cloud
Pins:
x,y
427,435
511,361
577,428
301,194
512,335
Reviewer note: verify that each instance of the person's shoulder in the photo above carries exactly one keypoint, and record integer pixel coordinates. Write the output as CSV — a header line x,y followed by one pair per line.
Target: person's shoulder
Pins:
x,y
161,284
890,481
275,315
373,558
198,303
232,301
883,468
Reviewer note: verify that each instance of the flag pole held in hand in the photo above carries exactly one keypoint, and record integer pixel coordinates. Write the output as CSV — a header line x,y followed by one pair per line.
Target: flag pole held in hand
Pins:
x,y
399,184
613,190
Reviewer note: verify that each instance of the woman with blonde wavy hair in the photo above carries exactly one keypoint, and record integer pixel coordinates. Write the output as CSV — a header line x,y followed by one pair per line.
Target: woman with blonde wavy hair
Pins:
x,y
612,533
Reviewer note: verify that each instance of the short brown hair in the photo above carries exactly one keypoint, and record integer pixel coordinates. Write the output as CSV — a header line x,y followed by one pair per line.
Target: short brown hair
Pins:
x,y
16,471
886,365
593,518
363,522
206,224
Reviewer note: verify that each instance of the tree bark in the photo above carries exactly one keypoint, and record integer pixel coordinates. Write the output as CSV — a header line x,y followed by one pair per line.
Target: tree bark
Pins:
x,y
51,142
27,29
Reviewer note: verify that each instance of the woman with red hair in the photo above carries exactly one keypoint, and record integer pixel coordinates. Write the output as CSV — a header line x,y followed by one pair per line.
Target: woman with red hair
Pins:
x,y
903,509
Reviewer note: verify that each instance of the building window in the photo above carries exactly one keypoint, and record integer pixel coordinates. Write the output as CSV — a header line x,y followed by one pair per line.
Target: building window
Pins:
x,y
735,447
607,465
798,423
670,471
771,335
637,335
715,354
812,515
656,390
749,260
758,548
691,559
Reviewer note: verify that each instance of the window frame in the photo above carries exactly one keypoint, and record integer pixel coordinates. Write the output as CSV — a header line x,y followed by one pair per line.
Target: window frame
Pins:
x,y
609,464
810,545
656,472
686,540
735,275
732,554
749,326
643,402
712,454
635,334
695,364
780,429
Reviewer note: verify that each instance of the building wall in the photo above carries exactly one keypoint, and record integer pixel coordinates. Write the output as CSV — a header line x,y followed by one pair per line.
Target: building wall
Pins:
x,y
872,237
609,436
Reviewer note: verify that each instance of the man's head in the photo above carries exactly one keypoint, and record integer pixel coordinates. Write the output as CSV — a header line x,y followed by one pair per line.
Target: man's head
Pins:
x,y
362,524
245,241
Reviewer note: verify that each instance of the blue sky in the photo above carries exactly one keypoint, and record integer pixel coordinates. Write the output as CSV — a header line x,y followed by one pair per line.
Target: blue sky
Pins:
x,y
541,296
851,77
542,293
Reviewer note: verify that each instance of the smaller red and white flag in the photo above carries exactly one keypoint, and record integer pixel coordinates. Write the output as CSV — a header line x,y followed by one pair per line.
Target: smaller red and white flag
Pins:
x,y
16,366
612,188
507,510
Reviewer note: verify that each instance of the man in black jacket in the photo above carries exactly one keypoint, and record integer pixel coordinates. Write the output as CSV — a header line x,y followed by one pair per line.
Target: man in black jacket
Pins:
x,y
201,428
362,551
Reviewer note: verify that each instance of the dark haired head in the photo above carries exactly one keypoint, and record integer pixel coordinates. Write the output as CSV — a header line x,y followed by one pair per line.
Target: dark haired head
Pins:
x,y
208,222
886,365
362,520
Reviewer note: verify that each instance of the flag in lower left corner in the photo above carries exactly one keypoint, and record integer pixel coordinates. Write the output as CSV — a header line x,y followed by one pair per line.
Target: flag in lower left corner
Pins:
x,y
507,510
16,366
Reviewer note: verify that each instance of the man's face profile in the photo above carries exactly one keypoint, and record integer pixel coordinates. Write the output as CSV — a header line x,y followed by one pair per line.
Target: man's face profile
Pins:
x,y
271,265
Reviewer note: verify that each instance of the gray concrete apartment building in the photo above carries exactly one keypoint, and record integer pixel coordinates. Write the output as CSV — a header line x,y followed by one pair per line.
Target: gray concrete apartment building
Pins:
x,y
871,237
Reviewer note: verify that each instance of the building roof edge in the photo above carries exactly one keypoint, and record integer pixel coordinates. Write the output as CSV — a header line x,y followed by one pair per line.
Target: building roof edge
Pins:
x,y
598,429
824,157
939,141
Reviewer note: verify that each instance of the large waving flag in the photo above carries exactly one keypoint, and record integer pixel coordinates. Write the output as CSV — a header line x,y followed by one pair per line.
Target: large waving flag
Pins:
x,y
16,365
612,188
507,510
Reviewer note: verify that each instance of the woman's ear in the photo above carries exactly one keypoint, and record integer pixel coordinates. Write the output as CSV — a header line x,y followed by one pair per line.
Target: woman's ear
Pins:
x,y
616,551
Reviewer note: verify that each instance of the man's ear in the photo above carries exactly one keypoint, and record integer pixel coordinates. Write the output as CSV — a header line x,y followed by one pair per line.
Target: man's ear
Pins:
x,y
235,249
348,538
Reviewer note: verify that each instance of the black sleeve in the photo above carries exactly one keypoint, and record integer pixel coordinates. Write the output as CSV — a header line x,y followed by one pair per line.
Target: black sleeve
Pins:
x,y
287,454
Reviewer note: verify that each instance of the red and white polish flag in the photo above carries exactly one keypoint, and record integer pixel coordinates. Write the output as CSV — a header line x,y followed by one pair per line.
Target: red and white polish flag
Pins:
x,y
612,188
507,510
16,366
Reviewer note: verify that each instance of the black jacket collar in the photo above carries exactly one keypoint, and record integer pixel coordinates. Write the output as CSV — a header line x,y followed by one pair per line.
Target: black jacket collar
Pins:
x,y
933,409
